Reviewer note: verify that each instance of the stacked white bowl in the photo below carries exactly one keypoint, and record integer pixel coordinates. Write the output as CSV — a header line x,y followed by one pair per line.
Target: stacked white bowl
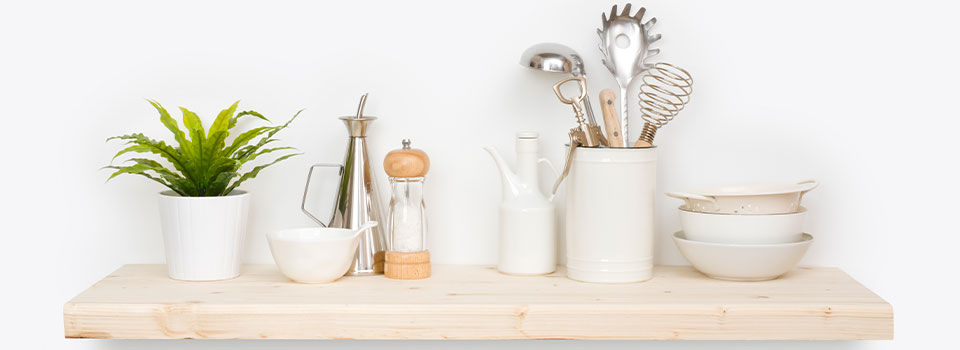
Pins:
x,y
744,232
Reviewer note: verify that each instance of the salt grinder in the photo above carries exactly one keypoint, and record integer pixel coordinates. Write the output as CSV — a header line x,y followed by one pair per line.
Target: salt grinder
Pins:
x,y
407,257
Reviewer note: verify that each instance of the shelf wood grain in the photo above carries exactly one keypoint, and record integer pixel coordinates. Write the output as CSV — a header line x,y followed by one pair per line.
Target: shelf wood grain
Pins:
x,y
477,302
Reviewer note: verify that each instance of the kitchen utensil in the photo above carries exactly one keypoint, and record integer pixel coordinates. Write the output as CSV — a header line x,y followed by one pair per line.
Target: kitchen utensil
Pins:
x,y
590,133
528,232
316,254
742,262
609,214
407,256
611,123
665,91
576,140
357,201
557,58
746,199
624,45
742,229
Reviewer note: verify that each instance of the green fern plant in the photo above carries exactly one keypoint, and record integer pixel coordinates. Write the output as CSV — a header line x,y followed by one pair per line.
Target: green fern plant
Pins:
x,y
204,164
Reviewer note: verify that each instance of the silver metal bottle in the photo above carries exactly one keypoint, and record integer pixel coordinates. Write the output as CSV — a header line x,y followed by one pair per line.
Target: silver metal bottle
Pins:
x,y
358,200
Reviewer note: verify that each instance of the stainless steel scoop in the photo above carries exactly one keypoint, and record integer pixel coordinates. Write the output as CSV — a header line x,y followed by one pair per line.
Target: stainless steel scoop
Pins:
x,y
624,43
557,58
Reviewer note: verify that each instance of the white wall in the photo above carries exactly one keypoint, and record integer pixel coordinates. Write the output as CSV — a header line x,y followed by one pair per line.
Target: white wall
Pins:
x,y
859,95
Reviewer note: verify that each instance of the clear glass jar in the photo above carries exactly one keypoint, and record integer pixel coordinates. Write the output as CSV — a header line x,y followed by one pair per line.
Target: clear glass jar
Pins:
x,y
408,228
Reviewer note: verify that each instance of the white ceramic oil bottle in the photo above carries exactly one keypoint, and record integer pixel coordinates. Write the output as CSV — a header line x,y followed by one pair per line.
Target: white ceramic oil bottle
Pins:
x,y
528,235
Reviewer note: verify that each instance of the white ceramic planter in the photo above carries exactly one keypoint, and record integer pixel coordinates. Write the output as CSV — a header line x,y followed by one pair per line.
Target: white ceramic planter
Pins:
x,y
609,214
203,236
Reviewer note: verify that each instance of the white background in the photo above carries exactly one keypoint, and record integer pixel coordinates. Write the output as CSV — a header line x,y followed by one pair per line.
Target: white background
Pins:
x,y
859,95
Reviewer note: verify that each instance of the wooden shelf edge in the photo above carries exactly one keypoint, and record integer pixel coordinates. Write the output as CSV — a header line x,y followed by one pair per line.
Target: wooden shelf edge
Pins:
x,y
854,314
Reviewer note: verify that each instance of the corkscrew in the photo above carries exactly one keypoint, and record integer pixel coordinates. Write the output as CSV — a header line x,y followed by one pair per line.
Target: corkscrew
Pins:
x,y
589,133
665,91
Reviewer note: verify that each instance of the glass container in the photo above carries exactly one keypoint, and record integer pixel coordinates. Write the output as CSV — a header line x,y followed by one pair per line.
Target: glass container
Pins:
x,y
408,229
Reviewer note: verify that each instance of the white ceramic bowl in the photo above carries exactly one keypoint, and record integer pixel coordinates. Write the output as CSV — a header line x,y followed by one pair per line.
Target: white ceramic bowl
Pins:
x,y
747,199
742,229
742,262
314,254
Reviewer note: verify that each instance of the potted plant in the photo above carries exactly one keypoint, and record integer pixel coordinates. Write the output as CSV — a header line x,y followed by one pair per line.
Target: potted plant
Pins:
x,y
203,215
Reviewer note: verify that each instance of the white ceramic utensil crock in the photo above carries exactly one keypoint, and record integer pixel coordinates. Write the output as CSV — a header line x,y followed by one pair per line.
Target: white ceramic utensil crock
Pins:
x,y
742,262
315,254
609,214
743,229
746,199
203,236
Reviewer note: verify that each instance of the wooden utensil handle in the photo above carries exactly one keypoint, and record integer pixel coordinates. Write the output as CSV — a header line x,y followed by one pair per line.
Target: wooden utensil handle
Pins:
x,y
611,121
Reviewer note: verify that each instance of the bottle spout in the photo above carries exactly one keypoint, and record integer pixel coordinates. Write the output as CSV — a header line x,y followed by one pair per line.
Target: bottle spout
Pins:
x,y
511,182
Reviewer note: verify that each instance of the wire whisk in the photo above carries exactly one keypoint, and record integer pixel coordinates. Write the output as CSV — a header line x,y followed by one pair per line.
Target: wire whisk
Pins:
x,y
665,91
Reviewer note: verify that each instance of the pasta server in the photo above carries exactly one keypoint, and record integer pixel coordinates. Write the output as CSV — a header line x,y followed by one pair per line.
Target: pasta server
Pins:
x,y
624,44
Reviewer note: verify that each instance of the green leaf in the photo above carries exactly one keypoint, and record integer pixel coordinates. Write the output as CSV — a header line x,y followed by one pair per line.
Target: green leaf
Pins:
x,y
143,144
256,170
244,138
265,140
233,121
220,183
139,169
222,123
198,138
246,151
171,125
174,180
265,151
220,129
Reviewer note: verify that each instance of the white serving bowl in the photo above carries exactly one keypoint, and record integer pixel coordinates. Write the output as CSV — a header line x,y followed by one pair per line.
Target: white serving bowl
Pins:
x,y
742,229
742,262
315,254
756,199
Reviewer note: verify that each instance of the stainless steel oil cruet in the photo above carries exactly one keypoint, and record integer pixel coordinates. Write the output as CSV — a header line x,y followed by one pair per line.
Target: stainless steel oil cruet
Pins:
x,y
357,201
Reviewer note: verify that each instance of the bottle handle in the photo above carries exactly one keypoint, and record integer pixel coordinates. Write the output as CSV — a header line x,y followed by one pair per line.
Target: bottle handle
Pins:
x,y
306,189
556,174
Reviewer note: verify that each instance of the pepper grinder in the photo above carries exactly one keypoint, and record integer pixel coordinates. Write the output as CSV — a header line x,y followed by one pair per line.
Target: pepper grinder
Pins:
x,y
407,257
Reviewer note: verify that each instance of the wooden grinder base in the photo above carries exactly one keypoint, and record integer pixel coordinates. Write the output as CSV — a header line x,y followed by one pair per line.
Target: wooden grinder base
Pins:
x,y
407,266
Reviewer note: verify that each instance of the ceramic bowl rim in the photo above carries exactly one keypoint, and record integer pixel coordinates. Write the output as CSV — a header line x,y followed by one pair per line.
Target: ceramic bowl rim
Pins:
x,y
767,189
800,211
681,236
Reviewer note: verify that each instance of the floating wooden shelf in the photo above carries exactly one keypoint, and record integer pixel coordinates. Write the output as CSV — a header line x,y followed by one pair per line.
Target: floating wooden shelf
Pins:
x,y
473,302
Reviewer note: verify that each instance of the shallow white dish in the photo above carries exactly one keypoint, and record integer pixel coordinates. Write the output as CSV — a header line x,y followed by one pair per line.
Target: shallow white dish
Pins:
x,y
746,199
315,254
743,229
742,262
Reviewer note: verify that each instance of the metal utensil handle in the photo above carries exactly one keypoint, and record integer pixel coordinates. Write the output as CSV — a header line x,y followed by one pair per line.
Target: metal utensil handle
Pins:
x,y
574,101
306,189
574,143
591,134
589,109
